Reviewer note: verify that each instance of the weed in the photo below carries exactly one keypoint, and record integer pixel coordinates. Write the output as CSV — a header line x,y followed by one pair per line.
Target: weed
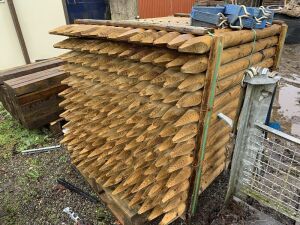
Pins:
x,y
12,134
33,162
11,207
33,174
22,181
103,216
5,155
63,159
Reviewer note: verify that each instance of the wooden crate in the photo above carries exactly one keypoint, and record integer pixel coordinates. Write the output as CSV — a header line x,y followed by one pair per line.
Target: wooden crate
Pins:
x,y
142,106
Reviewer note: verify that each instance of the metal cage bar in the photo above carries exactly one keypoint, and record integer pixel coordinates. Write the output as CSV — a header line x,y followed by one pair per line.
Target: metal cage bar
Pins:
x,y
266,162
272,174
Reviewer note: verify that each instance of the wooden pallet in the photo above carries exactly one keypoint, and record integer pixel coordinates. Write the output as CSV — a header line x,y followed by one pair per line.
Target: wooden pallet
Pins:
x,y
118,207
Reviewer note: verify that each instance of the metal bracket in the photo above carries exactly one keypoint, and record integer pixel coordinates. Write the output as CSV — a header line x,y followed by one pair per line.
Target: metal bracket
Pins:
x,y
226,119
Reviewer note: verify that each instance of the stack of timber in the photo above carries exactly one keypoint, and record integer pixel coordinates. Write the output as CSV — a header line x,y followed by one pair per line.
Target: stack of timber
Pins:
x,y
141,107
30,92
209,2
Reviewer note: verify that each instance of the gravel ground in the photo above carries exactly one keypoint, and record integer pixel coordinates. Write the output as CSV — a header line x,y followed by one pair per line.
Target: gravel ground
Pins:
x,y
29,193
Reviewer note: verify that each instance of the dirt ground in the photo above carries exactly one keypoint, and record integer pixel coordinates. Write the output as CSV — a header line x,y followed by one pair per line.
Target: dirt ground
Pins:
x,y
29,197
286,111
29,193
287,101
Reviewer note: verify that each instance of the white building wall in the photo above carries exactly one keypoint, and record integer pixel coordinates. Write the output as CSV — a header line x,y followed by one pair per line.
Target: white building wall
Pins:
x,y
36,18
10,51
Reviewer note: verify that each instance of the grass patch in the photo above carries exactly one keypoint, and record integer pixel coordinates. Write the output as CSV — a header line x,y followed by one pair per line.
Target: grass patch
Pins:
x,y
13,135
33,174
63,159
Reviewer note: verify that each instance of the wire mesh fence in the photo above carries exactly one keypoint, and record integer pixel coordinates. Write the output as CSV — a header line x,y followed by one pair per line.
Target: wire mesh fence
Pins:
x,y
271,171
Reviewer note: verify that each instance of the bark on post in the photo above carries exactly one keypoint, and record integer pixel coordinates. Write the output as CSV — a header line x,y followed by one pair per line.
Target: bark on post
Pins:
x,y
205,114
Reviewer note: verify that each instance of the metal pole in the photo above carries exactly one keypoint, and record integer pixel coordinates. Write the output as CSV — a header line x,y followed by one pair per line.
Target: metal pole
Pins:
x,y
256,104
39,150
65,7
17,26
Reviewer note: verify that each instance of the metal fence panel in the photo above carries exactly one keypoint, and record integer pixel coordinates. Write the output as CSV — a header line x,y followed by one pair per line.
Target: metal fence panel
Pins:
x,y
266,162
271,171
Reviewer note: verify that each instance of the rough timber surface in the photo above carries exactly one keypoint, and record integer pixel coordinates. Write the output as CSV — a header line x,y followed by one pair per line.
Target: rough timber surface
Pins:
x,y
180,24
133,105
40,81
186,41
116,206
28,69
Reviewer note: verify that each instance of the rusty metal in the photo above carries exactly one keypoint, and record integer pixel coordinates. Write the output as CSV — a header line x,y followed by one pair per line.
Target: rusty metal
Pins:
x,y
160,8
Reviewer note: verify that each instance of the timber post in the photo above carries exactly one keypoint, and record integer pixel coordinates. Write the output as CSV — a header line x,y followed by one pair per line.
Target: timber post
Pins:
x,y
280,45
205,114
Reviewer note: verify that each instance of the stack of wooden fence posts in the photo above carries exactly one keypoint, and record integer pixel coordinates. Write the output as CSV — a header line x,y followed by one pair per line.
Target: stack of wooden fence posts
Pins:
x,y
139,97
29,92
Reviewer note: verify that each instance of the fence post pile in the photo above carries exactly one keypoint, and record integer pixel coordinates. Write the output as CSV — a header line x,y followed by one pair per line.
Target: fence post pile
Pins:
x,y
135,107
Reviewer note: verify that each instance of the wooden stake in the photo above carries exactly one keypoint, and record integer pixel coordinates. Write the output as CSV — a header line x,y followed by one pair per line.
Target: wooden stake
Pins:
x,y
147,25
280,46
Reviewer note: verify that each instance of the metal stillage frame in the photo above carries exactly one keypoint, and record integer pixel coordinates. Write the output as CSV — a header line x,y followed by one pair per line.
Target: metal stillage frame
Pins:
x,y
266,162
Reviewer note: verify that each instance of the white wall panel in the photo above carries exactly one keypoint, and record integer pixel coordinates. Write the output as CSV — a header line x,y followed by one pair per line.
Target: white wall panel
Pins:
x,y
10,50
36,18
